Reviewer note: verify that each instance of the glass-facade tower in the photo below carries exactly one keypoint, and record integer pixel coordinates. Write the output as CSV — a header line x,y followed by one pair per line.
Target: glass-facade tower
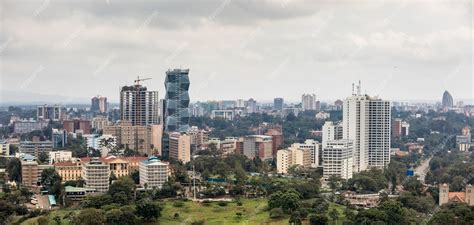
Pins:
x,y
176,104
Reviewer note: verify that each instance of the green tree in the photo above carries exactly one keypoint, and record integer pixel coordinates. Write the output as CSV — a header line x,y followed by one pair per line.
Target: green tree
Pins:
x,y
295,218
14,169
43,158
42,220
334,214
117,216
90,217
122,190
318,219
288,201
148,210
51,180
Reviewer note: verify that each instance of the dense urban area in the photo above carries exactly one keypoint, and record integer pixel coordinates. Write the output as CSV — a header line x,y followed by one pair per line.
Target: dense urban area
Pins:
x,y
152,160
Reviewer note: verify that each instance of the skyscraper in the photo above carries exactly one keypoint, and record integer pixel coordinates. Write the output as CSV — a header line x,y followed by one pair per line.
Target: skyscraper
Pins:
x,y
447,100
308,102
99,104
138,105
366,121
278,104
177,100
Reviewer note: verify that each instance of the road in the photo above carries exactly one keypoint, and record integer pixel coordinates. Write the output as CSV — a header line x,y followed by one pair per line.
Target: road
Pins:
x,y
421,170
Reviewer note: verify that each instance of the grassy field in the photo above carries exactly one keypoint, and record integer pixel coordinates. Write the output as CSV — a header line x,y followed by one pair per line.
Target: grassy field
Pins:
x,y
253,212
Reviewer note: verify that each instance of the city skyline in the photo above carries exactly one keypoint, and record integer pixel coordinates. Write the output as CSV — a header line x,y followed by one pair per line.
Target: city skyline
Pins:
x,y
288,47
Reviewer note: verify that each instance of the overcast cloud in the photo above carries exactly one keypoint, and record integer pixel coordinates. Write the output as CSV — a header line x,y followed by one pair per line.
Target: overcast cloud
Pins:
x,y
238,48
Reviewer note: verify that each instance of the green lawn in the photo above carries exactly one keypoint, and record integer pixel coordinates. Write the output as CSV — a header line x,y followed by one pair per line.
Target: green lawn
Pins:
x,y
253,212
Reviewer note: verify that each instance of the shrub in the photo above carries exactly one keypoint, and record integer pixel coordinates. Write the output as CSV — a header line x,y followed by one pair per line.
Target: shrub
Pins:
x,y
176,215
198,222
276,213
223,204
239,214
178,204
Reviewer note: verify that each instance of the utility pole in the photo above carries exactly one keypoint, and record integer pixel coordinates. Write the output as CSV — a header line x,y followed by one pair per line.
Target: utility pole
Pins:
x,y
194,183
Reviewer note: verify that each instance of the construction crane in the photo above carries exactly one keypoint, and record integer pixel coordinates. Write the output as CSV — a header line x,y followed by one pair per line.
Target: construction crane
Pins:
x,y
137,81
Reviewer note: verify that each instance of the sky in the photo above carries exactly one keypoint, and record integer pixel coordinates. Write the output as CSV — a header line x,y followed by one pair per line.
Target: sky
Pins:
x,y
69,51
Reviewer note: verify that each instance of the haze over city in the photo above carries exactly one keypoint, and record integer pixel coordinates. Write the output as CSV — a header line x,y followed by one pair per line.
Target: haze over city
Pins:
x,y
401,50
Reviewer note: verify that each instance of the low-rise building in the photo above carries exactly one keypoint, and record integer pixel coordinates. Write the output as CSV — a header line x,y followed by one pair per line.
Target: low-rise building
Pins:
x,y
69,171
222,114
180,146
258,146
59,156
153,173
35,148
292,156
446,197
78,193
4,148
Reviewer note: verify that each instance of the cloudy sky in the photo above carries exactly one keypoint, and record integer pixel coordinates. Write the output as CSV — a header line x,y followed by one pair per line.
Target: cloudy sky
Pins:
x,y
400,49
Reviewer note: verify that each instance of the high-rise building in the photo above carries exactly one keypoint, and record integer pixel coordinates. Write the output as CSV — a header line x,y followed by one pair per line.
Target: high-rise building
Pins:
x,y
153,173
77,126
99,104
447,101
138,105
47,112
338,104
278,104
367,121
99,122
59,138
331,131
258,146
177,100
251,106
29,173
180,146
144,139
96,175
308,102
338,159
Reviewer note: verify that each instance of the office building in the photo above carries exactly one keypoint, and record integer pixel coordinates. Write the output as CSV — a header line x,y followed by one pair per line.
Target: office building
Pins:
x,y
180,146
251,106
227,146
464,141
144,139
47,112
278,104
447,101
59,138
313,148
96,175
400,128
292,156
35,148
198,137
59,156
240,103
69,170
292,110
153,173
308,102
224,114
99,104
258,146
277,140
27,126
29,173
4,148
367,121
177,100
331,131
138,105
77,126
338,159
98,123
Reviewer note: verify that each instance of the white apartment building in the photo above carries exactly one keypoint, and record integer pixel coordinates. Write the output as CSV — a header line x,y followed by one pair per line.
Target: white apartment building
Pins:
x,y
308,102
366,121
96,175
223,114
290,157
338,159
314,148
331,131
153,173
60,156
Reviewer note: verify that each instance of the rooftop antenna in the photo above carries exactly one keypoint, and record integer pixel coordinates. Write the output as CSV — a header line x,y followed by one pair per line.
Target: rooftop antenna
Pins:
x,y
359,88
